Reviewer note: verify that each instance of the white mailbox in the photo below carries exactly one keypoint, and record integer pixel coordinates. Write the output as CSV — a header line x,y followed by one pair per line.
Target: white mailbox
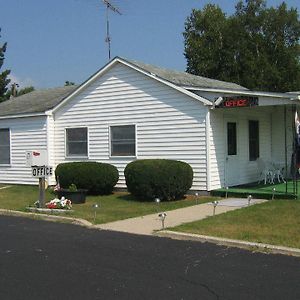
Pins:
x,y
36,158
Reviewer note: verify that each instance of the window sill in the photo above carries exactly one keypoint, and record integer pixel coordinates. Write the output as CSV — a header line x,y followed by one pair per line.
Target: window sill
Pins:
x,y
76,157
5,165
121,156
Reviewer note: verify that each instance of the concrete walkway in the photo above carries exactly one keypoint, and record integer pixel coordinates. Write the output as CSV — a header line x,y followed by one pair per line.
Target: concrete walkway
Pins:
x,y
146,225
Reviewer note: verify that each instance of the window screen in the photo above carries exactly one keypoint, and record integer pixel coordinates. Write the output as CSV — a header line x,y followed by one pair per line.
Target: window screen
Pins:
x,y
76,144
231,138
4,146
253,140
123,140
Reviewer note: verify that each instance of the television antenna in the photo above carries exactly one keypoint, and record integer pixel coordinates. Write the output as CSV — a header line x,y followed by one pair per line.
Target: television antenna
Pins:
x,y
109,6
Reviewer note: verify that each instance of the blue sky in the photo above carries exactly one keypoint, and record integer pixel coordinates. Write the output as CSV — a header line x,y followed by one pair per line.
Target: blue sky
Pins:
x,y
50,42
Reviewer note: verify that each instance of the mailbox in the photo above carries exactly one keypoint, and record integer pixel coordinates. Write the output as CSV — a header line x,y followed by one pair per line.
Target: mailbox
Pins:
x,y
36,158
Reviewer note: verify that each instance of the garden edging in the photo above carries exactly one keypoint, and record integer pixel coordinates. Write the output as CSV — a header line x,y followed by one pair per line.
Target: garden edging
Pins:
x,y
45,217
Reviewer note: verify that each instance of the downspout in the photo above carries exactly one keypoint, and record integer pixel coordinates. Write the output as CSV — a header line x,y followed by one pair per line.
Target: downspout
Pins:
x,y
48,143
208,166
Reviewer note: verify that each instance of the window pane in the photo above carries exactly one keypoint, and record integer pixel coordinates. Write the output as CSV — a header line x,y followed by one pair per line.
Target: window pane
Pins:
x,y
77,134
4,155
123,150
231,139
4,146
77,148
123,132
253,140
4,137
123,140
77,141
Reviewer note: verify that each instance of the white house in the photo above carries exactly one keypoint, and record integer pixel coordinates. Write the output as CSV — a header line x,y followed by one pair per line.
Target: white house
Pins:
x,y
130,110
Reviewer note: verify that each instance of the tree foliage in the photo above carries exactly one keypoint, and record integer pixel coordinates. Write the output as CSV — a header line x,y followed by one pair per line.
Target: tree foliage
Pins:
x,y
257,47
4,80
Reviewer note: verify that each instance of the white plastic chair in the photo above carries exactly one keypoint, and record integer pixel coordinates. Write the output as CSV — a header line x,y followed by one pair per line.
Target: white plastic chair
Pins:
x,y
266,172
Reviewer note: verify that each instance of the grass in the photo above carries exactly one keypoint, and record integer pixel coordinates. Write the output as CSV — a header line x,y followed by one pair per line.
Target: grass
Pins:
x,y
113,207
275,222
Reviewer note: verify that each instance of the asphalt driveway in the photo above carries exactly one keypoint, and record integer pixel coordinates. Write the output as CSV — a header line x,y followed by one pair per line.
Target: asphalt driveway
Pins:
x,y
45,260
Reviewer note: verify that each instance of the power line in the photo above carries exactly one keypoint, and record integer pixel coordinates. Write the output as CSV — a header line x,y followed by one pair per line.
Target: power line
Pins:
x,y
109,6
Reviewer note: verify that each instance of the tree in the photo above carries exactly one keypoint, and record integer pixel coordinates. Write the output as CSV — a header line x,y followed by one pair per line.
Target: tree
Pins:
x,y
4,80
16,93
257,47
67,83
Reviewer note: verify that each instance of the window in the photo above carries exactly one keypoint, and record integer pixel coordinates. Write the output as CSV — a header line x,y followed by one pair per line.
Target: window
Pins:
x,y
76,141
122,140
4,146
231,138
253,140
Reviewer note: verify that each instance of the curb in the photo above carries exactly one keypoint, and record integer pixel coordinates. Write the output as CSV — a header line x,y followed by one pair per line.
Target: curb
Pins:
x,y
53,218
267,248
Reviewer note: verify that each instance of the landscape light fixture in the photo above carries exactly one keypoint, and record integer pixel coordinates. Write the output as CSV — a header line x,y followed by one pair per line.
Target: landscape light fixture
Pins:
x,y
162,217
273,193
249,199
226,193
215,204
196,197
157,201
95,207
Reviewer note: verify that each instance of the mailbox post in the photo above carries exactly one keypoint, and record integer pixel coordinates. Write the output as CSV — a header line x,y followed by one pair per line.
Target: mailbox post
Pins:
x,y
37,160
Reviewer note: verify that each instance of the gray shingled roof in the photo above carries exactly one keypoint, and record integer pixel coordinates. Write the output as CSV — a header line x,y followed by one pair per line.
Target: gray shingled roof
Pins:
x,y
185,79
42,100
36,101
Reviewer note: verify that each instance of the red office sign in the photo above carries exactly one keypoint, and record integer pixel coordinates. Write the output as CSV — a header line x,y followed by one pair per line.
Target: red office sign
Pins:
x,y
238,101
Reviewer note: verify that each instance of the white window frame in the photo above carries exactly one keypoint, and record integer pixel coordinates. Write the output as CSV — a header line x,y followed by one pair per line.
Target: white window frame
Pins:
x,y
9,133
135,137
82,156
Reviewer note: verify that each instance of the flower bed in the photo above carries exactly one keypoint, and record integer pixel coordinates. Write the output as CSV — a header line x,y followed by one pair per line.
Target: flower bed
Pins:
x,y
62,203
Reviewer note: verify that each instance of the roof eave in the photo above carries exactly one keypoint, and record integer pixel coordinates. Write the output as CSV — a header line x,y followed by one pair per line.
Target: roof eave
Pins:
x,y
16,116
242,92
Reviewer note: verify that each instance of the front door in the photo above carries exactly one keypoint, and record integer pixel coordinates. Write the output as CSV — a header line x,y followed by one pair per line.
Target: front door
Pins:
x,y
231,153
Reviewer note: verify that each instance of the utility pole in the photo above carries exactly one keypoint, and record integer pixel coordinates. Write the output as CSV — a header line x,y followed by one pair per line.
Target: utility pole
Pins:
x,y
109,6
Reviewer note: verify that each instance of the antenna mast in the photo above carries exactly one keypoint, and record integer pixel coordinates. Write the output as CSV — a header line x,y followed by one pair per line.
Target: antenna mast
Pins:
x,y
109,6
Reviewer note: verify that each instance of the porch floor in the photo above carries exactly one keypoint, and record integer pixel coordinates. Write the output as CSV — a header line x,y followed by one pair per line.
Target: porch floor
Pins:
x,y
262,191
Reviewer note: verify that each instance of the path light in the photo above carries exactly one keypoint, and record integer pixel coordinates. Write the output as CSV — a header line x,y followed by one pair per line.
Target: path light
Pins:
x,y
215,203
273,193
226,193
196,197
162,217
95,207
249,199
157,201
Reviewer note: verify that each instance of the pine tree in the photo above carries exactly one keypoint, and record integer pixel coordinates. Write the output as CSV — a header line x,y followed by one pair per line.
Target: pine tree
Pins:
x,y
4,80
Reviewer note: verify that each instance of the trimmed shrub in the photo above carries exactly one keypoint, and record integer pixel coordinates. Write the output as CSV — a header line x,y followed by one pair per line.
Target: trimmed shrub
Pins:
x,y
97,178
162,178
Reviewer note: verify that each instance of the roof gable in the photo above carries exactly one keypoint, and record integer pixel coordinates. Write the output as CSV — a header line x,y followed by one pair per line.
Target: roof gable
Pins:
x,y
128,63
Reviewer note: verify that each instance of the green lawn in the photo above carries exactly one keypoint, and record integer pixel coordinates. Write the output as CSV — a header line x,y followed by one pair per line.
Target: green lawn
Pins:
x,y
111,208
276,222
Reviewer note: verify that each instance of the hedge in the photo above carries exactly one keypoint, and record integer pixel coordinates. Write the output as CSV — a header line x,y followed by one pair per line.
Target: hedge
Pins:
x,y
161,178
97,178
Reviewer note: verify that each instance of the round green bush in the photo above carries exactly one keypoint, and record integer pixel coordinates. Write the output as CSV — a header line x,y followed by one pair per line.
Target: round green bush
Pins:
x,y
161,178
97,178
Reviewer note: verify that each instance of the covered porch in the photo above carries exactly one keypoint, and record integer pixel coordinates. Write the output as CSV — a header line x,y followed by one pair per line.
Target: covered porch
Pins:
x,y
254,141
285,190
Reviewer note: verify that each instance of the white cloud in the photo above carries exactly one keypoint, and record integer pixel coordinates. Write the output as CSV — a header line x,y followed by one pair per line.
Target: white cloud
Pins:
x,y
22,82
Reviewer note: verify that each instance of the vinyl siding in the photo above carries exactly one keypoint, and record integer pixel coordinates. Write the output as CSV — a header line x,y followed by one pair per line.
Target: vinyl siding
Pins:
x,y
25,134
168,123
